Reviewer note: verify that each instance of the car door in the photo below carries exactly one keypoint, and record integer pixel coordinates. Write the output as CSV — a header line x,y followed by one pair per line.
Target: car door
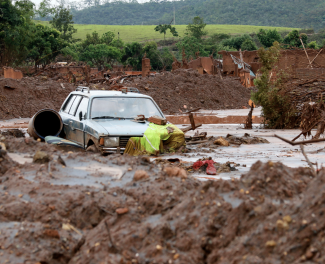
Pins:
x,y
66,117
77,124
70,120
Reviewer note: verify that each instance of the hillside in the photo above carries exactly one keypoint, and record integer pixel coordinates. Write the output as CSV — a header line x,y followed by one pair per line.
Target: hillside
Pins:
x,y
289,13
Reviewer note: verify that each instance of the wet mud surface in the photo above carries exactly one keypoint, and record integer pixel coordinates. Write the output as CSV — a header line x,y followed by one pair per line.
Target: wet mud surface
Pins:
x,y
119,209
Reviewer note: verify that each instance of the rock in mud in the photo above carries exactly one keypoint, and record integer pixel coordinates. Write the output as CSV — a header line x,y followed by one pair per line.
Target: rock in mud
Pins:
x,y
3,146
52,233
221,141
41,157
140,175
121,211
175,172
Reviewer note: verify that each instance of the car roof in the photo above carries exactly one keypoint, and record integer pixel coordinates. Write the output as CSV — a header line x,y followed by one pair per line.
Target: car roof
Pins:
x,y
98,93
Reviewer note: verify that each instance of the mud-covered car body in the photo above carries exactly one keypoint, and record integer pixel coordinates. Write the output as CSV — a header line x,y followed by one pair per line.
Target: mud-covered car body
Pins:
x,y
105,118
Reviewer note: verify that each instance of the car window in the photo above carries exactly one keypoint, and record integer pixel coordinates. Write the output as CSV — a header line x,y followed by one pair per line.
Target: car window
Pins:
x,y
69,103
125,107
75,105
83,106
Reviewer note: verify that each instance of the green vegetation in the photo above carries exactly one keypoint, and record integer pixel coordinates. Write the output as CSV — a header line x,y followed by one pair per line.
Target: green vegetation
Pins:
x,y
25,43
62,21
244,42
277,110
162,29
268,37
196,28
293,39
147,33
21,41
288,13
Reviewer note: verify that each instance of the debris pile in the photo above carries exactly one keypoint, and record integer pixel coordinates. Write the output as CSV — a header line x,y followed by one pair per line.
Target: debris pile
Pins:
x,y
200,143
301,91
306,97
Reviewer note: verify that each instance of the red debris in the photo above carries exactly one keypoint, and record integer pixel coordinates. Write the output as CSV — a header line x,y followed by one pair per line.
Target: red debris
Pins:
x,y
210,170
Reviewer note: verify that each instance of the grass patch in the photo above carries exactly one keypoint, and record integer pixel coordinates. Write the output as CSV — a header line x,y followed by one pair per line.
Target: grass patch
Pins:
x,y
141,33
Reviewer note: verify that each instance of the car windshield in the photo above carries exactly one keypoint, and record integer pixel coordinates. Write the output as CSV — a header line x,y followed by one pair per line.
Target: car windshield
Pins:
x,y
122,107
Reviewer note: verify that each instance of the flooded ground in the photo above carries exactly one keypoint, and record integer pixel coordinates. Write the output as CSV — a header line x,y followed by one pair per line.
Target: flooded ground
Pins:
x,y
69,206
247,155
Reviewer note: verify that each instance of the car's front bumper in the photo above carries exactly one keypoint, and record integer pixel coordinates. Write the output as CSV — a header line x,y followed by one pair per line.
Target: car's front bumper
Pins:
x,y
105,150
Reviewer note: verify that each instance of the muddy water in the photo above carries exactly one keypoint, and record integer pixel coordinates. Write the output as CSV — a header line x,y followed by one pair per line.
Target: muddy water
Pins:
x,y
92,211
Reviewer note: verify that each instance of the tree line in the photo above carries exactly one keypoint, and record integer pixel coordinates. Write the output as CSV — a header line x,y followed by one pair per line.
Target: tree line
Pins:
x,y
24,42
288,13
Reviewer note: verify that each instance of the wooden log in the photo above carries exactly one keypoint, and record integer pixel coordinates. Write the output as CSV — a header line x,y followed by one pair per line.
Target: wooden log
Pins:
x,y
192,120
188,128
197,142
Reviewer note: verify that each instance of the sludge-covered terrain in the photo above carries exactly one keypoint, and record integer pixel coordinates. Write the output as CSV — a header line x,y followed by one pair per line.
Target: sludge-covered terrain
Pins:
x,y
171,91
130,210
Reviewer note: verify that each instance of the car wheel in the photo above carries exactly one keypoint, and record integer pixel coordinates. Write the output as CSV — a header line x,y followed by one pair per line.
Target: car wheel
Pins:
x,y
92,148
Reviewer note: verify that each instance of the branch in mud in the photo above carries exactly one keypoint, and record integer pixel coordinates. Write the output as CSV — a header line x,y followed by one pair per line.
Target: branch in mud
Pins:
x,y
113,247
303,150
300,142
308,161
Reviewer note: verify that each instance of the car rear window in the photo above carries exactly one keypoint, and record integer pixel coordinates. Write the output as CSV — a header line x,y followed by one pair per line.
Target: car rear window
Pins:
x,y
74,105
68,104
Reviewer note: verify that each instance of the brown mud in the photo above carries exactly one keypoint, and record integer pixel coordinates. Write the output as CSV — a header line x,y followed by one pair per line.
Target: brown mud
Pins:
x,y
181,90
23,98
272,214
174,90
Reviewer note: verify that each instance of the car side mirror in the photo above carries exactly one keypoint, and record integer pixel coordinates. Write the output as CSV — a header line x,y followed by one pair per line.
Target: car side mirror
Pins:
x,y
80,115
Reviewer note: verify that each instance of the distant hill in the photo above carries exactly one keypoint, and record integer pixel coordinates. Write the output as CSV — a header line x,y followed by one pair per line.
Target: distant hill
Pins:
x,y
284,13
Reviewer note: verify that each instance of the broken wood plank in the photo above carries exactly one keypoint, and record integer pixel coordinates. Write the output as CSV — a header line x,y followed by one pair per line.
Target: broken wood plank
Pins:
x,y
188,128
300,142
192,120
197,142
316,56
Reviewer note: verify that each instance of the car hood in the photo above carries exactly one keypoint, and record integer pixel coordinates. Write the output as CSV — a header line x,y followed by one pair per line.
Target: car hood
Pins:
x,y
117,127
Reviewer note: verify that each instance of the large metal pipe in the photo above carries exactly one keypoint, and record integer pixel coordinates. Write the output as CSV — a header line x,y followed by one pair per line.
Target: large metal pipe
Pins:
x,y
46,122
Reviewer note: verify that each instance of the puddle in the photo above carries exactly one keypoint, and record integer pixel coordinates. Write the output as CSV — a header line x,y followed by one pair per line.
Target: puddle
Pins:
x,y
20,158
115,173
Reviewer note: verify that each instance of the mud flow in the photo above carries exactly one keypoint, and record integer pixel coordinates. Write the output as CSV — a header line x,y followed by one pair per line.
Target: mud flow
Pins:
x,y
70,206
61,204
